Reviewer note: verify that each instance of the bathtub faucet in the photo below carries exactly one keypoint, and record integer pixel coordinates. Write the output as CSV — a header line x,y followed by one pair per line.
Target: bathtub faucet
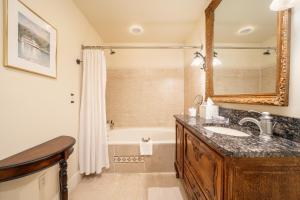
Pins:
x,y
111,124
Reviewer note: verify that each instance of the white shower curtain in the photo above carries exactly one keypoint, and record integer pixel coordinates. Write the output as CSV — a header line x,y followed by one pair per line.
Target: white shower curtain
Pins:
x,y
93,148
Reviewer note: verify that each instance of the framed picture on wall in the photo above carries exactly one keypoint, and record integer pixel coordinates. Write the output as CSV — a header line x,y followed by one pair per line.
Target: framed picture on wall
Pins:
x,y
29,41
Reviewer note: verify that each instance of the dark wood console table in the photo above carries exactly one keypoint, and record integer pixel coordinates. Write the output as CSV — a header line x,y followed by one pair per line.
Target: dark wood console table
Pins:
x,y
39,158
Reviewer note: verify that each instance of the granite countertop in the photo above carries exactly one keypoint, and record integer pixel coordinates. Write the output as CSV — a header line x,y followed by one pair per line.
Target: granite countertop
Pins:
x,y
252,146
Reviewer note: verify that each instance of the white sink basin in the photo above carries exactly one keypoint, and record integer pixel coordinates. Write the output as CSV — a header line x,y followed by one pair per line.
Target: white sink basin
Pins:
x,y
226,131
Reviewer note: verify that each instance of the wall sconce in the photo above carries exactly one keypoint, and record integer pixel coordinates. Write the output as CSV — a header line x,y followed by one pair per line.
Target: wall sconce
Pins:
x,y
279,5
199,60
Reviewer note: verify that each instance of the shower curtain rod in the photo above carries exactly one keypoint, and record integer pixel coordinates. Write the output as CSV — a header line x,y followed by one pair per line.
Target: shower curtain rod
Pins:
x,y
142,47
171,47
229,47
78,61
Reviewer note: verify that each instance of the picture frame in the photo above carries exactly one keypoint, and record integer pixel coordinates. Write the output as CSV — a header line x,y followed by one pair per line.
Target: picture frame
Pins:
x,y
30,42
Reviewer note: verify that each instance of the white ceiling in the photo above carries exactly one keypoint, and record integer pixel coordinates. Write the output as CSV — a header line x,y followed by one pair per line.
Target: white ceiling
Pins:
x,y
231,15
164,21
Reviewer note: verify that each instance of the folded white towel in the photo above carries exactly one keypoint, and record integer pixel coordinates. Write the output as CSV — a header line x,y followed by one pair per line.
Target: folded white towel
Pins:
x,y
146,148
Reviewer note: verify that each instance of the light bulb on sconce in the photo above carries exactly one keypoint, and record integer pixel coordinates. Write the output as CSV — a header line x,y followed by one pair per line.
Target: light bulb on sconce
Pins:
x,y
198,60
279,5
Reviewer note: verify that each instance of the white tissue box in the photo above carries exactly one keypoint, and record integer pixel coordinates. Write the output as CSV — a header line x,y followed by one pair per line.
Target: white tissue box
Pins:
x,y
209,111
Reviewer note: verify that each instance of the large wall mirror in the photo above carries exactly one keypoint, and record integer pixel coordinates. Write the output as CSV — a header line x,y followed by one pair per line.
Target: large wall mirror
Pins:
x,y
247,49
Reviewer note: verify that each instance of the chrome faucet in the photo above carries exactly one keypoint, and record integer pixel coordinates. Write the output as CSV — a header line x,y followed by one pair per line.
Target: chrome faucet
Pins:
x,y
265,124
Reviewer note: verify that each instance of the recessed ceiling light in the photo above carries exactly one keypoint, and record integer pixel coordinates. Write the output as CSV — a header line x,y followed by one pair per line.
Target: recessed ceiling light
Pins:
x,y
246,30
136,29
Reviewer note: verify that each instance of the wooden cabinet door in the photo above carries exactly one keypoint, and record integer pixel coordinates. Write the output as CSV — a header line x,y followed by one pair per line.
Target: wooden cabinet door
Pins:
x,y
264,178
179,150
205,165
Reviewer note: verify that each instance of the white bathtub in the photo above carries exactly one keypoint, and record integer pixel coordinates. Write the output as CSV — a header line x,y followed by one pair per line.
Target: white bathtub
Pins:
x,y
134,135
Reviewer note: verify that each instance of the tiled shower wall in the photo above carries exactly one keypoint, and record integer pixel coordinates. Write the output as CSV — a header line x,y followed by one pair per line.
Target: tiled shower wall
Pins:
x,y
144,97
244,81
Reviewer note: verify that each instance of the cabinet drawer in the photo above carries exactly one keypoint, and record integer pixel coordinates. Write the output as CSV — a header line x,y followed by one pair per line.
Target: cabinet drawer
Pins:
x,y
194,187
205,165
188,189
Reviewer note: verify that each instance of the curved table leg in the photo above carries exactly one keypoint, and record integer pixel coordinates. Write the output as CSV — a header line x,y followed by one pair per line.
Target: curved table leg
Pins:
x,y
63,180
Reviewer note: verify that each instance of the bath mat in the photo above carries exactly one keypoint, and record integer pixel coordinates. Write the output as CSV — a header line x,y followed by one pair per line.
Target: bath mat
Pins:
x,y
161,193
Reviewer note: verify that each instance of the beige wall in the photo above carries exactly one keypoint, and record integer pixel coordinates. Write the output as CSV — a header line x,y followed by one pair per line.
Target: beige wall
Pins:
x,y
33,108
145,87
194,78
293,109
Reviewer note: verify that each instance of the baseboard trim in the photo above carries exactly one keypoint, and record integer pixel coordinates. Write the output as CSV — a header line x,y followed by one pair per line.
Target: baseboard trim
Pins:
x,y
74,181
56,197
72,184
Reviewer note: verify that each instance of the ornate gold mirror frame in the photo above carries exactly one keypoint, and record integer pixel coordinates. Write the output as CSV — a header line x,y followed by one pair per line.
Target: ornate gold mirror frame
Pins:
x,y
281,97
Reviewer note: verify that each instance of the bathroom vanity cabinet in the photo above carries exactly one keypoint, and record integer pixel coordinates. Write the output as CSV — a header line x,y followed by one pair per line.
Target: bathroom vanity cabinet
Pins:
x,y
210,174
179,150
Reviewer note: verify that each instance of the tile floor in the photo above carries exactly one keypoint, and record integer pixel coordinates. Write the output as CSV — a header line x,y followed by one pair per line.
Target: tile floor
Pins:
x,y
123,186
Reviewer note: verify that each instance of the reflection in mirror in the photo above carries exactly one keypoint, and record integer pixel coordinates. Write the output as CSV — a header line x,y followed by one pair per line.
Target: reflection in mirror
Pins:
x,y
245,41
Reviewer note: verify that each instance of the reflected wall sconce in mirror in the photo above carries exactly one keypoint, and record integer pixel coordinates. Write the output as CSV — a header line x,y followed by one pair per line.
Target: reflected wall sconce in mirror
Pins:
x,y
280,5
216,60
